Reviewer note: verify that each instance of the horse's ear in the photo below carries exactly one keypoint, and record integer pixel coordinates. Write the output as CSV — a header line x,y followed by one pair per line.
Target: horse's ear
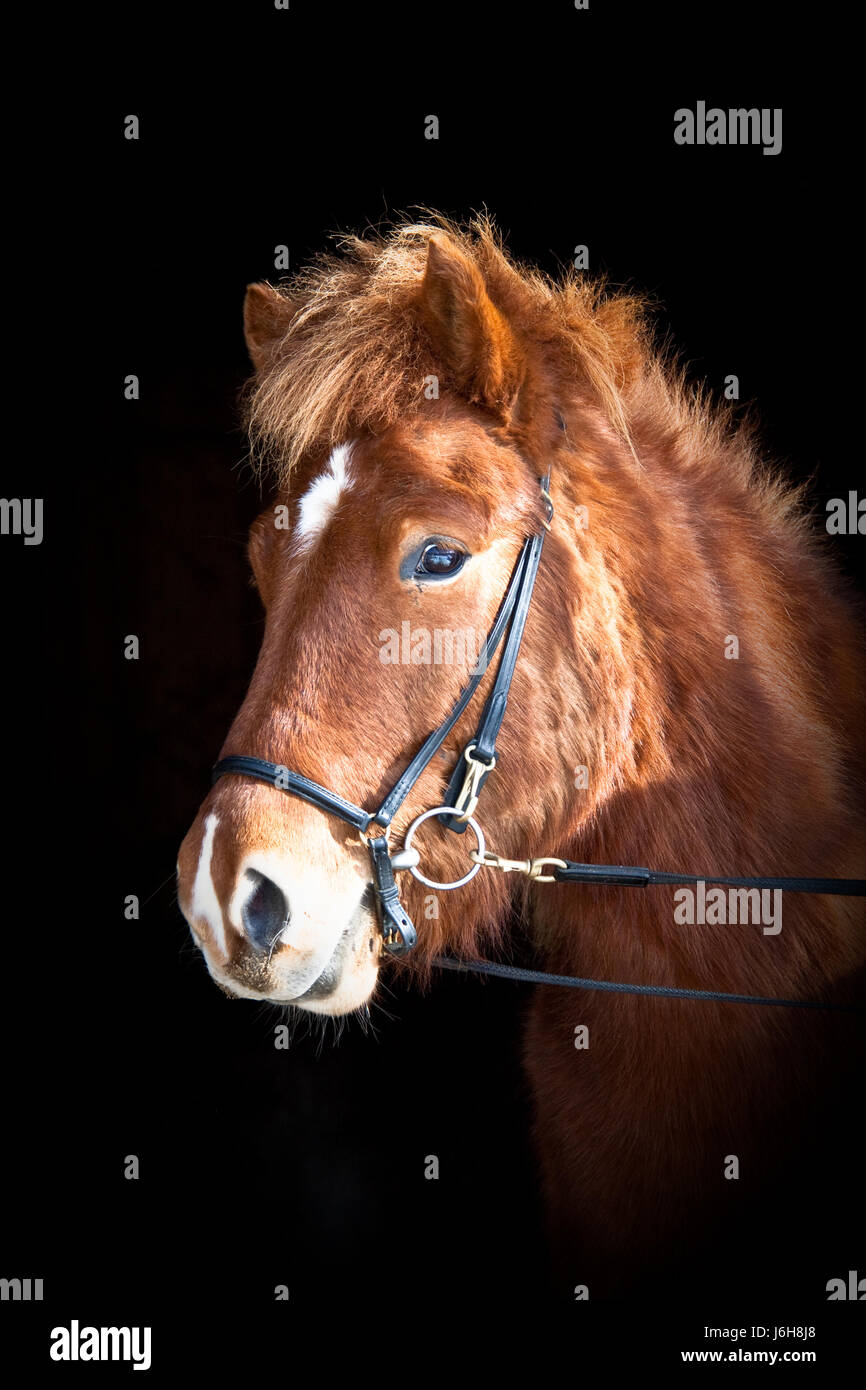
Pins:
x,y
267,315
475,340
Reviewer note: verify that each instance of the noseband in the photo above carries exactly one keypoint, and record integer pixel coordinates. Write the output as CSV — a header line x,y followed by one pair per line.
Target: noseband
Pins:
x,y
461,798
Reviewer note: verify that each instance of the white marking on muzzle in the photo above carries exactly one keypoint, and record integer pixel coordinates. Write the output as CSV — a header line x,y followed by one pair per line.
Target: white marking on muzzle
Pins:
x,y
205,903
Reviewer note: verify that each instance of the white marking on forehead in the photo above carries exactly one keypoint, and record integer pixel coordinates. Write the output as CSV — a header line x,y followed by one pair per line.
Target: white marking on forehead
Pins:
x,y
205,902
319,502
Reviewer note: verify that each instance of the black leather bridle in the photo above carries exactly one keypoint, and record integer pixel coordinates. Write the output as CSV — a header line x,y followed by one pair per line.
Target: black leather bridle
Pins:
x,y
478,760
468,778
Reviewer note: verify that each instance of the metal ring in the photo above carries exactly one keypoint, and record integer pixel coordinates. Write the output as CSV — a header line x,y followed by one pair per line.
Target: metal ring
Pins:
x,y
445,811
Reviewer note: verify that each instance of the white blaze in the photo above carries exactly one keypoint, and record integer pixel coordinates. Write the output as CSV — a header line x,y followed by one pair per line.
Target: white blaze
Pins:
x,y
319,502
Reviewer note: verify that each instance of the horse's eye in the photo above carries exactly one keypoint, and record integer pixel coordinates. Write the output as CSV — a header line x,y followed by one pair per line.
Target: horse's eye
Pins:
x,y
438,561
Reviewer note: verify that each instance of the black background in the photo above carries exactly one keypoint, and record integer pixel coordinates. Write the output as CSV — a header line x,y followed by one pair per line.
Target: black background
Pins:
x,y
260,128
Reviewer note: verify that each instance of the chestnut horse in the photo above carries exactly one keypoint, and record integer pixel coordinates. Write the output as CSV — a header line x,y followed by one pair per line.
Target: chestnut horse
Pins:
x,y
686,697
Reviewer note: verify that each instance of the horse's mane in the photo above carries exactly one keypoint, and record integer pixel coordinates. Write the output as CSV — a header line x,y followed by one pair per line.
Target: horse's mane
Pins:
x,y
356,354
355,357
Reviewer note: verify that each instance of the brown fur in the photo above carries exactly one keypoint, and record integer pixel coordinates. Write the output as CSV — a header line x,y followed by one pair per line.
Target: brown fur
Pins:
x,y
696,763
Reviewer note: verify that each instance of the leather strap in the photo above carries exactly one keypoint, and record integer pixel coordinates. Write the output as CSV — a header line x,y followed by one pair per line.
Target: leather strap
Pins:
x,y
541,977
642,878
493,713
398,931
286,781
494,709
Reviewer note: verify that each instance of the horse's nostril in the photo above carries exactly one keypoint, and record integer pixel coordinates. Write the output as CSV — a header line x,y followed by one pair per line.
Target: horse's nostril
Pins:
x,y
265,912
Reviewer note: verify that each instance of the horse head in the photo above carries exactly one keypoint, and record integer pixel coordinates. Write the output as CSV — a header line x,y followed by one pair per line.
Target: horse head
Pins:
x,y
410,401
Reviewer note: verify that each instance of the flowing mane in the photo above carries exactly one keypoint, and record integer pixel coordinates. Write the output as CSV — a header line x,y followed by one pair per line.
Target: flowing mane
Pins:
x,y
356,354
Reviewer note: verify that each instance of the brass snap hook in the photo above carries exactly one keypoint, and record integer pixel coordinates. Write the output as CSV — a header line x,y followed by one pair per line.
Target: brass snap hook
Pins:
x,y
468,798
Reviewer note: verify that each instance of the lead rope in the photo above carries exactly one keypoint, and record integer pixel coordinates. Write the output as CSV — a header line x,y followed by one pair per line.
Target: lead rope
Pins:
x,y
541,977
610,874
